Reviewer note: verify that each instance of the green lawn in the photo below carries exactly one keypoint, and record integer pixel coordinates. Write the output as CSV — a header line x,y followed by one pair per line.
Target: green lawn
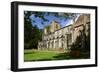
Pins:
x,y
34,55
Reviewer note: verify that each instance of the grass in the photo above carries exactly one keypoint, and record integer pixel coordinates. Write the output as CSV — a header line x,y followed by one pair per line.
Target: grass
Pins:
x,y
39,55
35,55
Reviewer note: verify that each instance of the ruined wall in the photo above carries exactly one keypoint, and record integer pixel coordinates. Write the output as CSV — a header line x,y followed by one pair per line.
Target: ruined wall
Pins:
x,y
62,38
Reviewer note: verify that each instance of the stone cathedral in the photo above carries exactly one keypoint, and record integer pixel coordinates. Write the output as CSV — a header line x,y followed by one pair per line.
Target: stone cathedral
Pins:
x,y
56,38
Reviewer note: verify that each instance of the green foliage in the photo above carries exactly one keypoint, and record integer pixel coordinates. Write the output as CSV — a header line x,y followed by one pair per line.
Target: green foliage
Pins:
x,y
27,30
31,33
82,42
35,36
48,29
77,44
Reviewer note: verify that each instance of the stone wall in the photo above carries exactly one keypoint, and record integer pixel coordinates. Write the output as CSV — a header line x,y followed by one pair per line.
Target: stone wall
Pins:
x,y
62,38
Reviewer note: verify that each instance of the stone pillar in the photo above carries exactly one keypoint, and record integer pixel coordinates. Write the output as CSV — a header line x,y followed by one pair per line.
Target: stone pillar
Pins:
x,y
50,44
55,43
65,42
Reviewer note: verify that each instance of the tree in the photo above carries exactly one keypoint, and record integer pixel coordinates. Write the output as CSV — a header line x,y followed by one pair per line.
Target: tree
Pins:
x,y
36,37
82,43
31,33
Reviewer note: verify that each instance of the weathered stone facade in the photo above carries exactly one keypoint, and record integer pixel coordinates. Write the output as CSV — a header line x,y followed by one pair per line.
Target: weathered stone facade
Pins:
x,y
57,38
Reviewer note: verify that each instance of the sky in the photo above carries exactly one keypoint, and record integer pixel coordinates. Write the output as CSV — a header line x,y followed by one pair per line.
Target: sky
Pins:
x,y
38,21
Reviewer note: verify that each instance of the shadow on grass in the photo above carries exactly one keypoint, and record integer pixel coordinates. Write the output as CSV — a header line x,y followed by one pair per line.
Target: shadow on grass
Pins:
x,y
63,56
85,55
30,52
